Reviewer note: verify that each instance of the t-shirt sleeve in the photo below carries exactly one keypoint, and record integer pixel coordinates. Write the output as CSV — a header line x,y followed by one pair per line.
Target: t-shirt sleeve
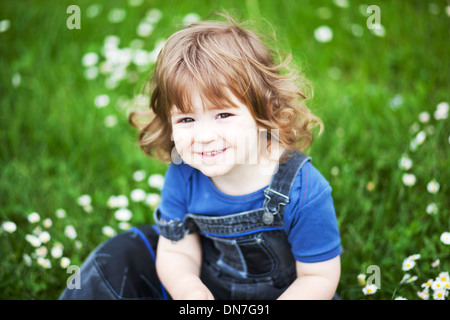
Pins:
x,y
310,219
173,194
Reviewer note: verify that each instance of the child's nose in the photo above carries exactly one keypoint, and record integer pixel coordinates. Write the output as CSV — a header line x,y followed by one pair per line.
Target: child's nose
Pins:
x,y
206,132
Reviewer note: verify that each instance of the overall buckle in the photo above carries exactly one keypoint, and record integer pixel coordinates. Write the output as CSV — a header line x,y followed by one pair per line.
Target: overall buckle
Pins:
x,y
268,215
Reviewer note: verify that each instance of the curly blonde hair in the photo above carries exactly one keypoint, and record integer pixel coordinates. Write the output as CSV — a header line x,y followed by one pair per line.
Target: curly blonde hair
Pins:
x,y
217,58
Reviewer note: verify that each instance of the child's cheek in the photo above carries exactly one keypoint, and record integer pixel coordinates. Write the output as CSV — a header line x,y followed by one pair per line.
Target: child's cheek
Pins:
x,y
181,139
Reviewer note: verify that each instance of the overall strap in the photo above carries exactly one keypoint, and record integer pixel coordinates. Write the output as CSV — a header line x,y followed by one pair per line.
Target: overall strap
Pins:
x,y
270,216
277,194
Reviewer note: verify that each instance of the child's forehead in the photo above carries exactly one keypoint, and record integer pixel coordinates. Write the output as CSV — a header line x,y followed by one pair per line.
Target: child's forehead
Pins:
x,y
193,108
196,101
199,108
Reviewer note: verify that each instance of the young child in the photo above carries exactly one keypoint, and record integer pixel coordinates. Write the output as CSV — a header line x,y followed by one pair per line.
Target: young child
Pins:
x,y
243,213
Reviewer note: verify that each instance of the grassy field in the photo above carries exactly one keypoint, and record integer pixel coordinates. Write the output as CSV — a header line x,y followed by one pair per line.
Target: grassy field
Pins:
x,y
69,156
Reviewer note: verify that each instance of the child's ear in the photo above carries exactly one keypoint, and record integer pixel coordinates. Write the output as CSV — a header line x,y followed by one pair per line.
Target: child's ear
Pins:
x,y
175,156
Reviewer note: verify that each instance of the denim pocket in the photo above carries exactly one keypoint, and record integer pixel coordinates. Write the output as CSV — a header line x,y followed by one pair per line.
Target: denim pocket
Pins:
x,y
247,256
259,257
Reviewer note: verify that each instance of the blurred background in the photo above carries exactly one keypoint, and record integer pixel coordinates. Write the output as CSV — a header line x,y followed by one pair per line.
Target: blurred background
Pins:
x,y
72,175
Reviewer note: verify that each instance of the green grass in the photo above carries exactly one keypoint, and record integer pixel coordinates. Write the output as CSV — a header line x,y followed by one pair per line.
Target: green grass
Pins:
x,y
55,146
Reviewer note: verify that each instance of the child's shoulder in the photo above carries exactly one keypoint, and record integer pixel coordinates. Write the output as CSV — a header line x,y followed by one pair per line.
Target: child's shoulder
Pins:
x,y
180,171
309,184
309,170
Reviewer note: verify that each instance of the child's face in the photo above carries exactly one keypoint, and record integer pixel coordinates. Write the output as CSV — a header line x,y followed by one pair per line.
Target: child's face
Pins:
x,y
216,141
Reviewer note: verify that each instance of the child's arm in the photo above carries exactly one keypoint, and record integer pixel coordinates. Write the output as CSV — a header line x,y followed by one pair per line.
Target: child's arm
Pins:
x,y
178,267
315,281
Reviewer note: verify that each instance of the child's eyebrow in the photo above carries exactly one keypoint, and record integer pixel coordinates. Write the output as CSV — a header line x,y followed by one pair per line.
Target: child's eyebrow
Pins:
x,y
214,107
177,112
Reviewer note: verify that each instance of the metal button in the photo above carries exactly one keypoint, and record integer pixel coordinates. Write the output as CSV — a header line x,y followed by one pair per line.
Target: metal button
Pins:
x,y
267,218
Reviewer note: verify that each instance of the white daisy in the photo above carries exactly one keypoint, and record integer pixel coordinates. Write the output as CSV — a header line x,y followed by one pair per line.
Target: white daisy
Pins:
x,y
116,15
61,213
34,217
432,208
144,29
90,59
26,259
120,201
424,117
153,199
433,186
123,214
135,3
108,231
110,121
56,251
44,237
9,226
441,111
16,80
44,262
94,10
47,223
70,232
138,195
405,163
139,175
153,15
445,238
408,264
341,3
190,18
323,34
65,262
84,200
4,25
361,279
41,251
440,294
33,240
409,179
101,101
369,289
156,181
424,295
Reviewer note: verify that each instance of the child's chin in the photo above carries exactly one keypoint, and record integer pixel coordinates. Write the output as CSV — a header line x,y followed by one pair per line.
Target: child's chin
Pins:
x,y
213,171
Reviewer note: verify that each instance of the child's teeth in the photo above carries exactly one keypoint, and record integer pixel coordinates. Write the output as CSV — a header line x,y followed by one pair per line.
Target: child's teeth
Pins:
x,y
211,153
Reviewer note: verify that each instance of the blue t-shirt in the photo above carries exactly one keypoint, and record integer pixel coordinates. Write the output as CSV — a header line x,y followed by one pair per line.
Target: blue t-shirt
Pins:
x,y
309,217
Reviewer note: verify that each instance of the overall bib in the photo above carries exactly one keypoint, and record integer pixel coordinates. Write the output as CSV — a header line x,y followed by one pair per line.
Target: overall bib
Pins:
x,y
246,255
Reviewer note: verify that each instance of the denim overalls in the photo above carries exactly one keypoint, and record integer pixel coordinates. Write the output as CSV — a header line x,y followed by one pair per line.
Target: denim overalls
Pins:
x,y
246,255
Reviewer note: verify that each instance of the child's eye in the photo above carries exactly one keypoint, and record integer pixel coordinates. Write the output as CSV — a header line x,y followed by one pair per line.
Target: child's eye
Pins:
x,y
224,115
185,120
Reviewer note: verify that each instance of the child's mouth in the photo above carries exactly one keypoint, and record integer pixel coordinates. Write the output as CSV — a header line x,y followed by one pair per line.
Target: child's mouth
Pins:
x,y
213,154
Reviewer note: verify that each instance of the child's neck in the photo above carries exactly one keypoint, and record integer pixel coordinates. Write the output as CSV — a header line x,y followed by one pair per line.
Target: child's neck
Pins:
x,y
248,179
